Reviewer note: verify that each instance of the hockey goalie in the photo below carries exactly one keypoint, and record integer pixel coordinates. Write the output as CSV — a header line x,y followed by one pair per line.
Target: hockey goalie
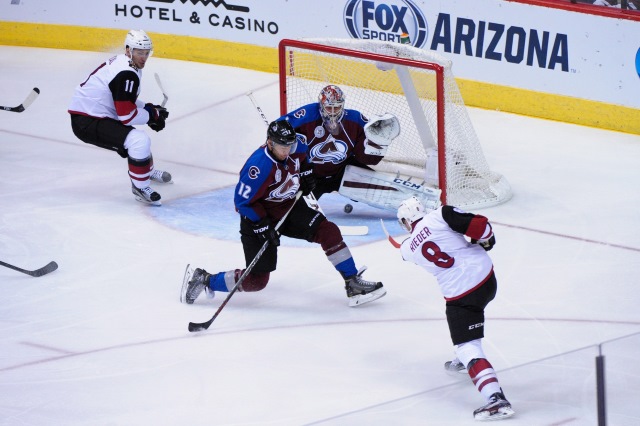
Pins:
x,y
342,144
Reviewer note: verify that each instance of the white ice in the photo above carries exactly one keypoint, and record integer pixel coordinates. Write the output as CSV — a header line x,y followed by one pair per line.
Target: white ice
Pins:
x,y
103,340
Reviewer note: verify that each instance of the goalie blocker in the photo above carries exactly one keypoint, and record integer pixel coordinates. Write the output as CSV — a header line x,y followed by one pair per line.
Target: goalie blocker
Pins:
x,y
385,190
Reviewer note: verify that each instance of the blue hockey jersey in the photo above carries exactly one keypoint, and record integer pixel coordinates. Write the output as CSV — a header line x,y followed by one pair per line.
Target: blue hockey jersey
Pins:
x,y
267,187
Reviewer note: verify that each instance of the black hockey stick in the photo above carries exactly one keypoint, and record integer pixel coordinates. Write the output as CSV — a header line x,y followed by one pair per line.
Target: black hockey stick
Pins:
x,y
50,267
200,326
32,97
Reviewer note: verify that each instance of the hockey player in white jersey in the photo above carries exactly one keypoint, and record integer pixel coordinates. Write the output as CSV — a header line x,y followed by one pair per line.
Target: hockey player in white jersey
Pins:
x,y
105,107
464,272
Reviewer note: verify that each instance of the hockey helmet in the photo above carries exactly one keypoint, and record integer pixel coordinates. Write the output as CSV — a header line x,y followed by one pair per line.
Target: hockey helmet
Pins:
x,y
410,210
281,132
138,39
331,102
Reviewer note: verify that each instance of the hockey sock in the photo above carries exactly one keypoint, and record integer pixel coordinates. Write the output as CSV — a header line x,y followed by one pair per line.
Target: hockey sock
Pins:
x,y
329,237
484,377
217,282
139,171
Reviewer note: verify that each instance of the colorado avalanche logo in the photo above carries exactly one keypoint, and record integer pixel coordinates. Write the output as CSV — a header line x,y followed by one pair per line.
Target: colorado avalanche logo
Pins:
x,y
254,172
329,151
285,191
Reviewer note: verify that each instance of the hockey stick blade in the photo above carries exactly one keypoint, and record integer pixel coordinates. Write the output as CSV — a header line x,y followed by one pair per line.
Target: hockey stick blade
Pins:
x,y
389,237
48,268
356,230
164,94
27,102
197,326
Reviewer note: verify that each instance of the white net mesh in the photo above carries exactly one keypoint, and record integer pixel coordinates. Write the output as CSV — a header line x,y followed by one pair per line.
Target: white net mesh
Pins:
x,y
409,92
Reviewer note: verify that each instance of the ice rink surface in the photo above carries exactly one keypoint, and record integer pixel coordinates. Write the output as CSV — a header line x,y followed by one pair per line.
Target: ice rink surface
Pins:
x,y
103,340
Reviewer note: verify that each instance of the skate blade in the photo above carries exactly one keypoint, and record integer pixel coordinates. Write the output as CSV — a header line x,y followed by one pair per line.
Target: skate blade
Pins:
x,y
361,299
501,413
188,273
151,203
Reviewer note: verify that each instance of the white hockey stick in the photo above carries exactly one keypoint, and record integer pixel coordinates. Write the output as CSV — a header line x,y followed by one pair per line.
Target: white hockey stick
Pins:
x,y
389,237
164,94
28,101
311,199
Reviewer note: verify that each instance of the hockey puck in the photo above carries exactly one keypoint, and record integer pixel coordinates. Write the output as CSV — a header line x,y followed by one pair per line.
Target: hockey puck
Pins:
x,y
348,208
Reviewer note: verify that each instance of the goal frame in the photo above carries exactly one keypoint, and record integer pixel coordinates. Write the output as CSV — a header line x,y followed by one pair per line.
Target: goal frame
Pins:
x,y
284,60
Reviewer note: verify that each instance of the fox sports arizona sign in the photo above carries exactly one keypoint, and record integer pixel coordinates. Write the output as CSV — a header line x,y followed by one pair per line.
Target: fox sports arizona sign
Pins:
x,y
385,20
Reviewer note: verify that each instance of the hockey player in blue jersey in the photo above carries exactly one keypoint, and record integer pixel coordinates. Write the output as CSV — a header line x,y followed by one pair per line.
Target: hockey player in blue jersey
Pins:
x,y
337,137
266,190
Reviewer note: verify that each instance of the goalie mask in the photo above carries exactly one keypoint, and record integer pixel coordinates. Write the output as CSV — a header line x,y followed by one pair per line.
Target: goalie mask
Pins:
x,y
331,102
410,210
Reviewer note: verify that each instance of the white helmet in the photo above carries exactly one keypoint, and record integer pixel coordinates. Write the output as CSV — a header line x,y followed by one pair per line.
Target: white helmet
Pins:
x,y
410,210
138,39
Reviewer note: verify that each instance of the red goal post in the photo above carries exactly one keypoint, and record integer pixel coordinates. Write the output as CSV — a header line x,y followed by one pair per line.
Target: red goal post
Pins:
x,y
437,145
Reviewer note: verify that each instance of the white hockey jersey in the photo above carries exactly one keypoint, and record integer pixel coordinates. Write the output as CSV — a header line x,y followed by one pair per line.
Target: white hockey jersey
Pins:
x,y
111,91
437,244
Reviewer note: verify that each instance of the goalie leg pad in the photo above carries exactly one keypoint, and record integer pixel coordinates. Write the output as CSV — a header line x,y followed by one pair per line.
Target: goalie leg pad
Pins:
x,y
385,190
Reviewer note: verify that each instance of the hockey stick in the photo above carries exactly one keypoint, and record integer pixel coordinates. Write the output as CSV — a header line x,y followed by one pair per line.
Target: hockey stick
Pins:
x,y
389,237
310,199
164,94
50,267
200,326
30,98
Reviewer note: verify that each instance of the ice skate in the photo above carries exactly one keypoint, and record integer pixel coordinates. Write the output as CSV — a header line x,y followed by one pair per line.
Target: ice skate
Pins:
x,y
193,283
454,367
498,408
146,195
360,291
160,176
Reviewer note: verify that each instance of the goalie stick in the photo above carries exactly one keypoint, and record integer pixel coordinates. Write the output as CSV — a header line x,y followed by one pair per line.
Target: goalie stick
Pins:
x,y
311,199
200,326
50,267
24,105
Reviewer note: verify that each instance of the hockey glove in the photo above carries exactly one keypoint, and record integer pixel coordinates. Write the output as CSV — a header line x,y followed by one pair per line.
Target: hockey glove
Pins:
x,y
486,244
380,130
307,179
265,232
157,116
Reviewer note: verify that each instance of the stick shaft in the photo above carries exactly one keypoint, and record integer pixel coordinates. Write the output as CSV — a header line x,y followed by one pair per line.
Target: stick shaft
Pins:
x,y
194,326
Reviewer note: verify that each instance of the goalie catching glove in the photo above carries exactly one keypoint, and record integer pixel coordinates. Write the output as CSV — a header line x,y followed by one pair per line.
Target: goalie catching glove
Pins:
x,y
157,116
381,130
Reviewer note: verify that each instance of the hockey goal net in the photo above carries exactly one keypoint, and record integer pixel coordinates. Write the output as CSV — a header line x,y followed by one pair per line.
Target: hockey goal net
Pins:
x,y
437,145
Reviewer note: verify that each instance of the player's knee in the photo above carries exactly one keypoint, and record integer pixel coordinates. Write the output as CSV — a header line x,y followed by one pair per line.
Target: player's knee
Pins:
x,y
255,281
138,144
327,234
